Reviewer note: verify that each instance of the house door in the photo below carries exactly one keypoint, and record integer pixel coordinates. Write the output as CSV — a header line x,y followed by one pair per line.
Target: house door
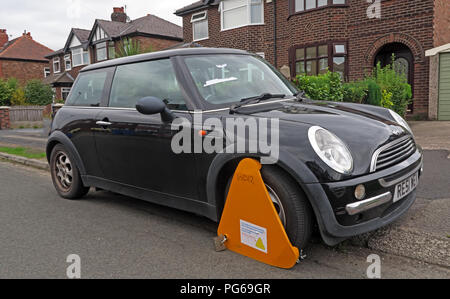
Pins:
x,y
444,86
404,63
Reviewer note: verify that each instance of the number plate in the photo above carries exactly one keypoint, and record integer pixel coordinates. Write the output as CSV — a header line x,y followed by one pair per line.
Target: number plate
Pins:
x,y
407,186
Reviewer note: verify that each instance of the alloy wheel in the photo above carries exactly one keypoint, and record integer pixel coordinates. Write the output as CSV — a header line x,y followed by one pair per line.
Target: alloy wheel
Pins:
x,y
63,171
278,204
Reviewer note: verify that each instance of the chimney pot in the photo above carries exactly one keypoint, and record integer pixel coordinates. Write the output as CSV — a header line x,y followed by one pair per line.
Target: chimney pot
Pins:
x,y
27,34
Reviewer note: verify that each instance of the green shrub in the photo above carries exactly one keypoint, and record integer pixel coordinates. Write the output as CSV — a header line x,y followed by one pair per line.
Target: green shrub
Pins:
x,y
38,93
373,93
18,97
384,87
324,87
355,92
5,93
386,99
396,84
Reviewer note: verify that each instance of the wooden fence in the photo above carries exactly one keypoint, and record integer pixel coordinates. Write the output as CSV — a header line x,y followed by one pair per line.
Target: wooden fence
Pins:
x,y
26,113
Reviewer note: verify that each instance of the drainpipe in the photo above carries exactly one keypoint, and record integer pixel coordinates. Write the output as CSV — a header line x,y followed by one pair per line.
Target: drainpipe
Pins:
x,y
275,57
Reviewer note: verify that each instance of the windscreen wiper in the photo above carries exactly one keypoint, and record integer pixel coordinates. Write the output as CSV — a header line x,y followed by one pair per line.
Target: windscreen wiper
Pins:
x,y
255,100
301,96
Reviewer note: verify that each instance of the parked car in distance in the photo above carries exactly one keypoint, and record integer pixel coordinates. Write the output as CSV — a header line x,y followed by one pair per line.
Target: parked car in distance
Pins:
x,y
347,168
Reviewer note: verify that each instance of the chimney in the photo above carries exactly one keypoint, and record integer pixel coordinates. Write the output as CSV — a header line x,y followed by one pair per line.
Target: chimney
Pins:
x,y
27,34
3,37
119,15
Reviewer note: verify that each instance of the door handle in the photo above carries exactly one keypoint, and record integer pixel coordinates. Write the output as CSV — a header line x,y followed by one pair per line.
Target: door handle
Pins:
x,y
103,123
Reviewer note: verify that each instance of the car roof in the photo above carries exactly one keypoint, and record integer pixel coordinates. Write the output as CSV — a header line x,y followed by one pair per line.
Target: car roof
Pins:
x,y
161,55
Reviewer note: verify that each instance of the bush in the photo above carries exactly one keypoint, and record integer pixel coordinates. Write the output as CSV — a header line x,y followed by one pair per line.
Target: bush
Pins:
x,y
5,93
384,87
355,92
386,100
325,87
18,97
396,84
38,93
373,93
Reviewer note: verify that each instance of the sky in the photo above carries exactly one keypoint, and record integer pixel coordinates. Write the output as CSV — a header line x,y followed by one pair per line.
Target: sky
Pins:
x,y
50,21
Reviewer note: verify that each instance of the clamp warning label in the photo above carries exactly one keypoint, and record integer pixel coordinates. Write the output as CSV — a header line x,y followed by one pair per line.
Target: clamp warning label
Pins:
x,y
254,236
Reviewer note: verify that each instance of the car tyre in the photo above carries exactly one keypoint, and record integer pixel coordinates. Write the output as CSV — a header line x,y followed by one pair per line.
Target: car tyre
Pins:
x,y
65,174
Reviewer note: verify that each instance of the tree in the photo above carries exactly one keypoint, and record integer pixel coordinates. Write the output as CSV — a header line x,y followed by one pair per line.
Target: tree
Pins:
x,y
130,47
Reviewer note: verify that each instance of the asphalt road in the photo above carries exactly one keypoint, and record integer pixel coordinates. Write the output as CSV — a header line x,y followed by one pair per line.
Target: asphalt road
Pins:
x,y
119,237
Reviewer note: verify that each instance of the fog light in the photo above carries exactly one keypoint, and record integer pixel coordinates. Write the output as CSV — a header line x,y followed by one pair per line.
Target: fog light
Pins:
x,y
360,192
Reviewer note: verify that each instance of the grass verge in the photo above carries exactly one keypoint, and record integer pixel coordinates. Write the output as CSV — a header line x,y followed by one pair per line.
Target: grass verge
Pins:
x,y
23,152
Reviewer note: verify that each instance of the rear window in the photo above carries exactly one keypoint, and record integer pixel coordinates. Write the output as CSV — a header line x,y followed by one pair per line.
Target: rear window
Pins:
x,y
88,89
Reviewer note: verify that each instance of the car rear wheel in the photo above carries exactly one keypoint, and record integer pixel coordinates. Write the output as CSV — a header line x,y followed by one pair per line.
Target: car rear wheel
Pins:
x,y
291,204
65,175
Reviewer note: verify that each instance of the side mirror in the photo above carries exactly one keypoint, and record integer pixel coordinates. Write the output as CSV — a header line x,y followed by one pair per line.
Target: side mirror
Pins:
x,y
153,105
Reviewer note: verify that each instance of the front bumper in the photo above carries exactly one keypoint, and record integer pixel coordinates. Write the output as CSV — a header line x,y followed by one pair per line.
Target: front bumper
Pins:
x,y
341,216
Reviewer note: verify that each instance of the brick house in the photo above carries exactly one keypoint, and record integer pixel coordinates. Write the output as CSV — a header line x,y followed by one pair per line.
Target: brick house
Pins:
x,y
103,41
315,35
66,63
22,58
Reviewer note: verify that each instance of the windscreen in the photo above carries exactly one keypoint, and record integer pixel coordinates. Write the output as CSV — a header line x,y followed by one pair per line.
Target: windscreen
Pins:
x,y
226,79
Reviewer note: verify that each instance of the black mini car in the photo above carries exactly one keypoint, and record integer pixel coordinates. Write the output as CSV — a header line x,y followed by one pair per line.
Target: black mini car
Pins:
x,y
347,168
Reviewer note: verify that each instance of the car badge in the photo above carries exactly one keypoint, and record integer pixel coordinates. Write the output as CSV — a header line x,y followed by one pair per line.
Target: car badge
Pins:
x,y
396,130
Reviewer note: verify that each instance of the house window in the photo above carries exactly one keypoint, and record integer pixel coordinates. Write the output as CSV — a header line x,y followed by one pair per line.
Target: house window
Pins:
x,y
318,59
200,26
56,65
305,5
80,57
112,50
67,62
46,72
238,13
101,52
65,93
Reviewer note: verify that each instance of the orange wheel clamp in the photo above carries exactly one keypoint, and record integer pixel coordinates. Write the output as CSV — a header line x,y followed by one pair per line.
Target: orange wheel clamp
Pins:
x,y
250,224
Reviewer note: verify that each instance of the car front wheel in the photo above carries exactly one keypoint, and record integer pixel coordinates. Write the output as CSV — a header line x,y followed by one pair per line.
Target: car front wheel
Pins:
x,y
65,175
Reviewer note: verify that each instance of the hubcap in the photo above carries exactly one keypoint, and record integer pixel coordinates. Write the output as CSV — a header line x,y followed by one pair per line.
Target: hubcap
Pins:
x,y
63,170
278,205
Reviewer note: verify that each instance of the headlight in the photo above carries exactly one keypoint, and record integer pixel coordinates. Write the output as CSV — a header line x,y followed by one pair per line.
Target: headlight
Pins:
x,y
400,120
331,149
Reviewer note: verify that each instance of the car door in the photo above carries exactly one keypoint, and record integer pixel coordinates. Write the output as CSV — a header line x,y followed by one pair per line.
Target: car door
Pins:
x,y
80,114
135,149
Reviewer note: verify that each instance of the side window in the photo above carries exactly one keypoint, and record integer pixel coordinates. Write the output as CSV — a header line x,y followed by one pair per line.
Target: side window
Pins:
x,y
88,90
153,78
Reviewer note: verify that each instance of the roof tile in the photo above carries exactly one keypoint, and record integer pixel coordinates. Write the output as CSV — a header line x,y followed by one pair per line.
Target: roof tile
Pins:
x,y
26,48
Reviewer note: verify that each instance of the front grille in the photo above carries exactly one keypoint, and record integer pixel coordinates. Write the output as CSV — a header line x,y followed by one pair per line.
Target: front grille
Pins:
x,y
393,153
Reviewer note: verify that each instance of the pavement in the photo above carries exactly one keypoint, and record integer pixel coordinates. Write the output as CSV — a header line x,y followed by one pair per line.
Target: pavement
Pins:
x,y
432,135
120,237
417,245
